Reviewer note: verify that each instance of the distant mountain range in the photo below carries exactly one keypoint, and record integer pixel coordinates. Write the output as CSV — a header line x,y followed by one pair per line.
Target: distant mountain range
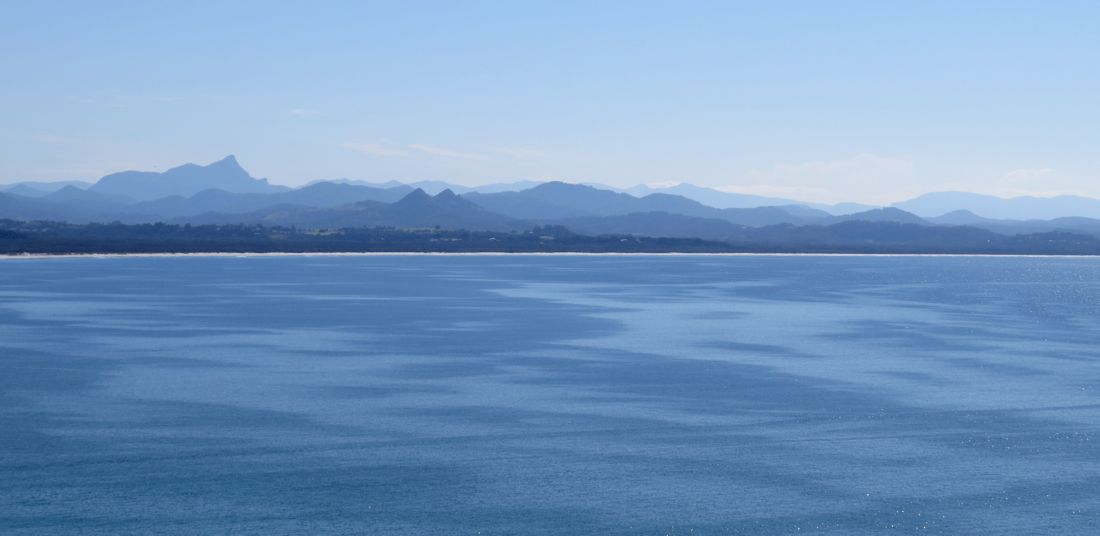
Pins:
x,y
224,193
1016,208
720,199
435,187
39,188
188,179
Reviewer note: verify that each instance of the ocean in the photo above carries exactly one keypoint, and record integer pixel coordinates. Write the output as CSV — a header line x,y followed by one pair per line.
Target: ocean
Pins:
x,y
549,395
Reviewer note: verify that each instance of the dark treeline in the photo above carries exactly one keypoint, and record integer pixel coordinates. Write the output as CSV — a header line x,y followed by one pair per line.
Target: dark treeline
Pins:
x,y
44,237
63,238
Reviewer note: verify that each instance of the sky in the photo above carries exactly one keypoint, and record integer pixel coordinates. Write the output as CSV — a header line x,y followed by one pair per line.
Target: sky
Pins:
x,y
822,101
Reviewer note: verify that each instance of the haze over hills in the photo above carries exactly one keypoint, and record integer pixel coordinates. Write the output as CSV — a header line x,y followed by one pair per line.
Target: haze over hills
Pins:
x,y
1020,208
720,199
1016,208
224,193
417,209
553,201
435,187
227,175
40,188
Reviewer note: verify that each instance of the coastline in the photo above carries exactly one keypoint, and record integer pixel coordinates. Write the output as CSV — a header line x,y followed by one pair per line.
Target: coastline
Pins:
x,y
40,256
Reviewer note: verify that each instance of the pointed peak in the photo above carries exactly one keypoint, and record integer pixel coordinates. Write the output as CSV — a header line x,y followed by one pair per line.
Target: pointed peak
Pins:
x,y
228,165
416,195
446,194
229,161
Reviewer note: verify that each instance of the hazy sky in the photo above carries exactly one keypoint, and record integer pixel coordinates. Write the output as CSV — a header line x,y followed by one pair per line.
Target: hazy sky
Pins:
x,y
819,100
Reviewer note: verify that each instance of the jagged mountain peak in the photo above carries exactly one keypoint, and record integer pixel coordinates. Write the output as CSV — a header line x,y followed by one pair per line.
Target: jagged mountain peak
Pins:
x,y
416,196
186,180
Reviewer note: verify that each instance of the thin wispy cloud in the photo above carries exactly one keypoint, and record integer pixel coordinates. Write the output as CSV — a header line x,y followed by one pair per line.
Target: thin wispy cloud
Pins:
x,y
519,153
447,152
663,184
798,193
374,149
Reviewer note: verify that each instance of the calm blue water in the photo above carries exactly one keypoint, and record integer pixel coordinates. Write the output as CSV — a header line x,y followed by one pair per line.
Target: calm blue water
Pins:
x,y
550,395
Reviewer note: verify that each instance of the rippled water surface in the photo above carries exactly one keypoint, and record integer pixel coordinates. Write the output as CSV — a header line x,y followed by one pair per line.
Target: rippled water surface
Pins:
x,y
550,395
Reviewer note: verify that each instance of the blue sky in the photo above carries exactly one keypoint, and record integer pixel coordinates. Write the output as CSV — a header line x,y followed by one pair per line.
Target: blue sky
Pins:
x,y
819,100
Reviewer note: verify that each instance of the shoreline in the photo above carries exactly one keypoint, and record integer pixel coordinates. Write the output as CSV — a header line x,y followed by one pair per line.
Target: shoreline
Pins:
x,y
40,256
